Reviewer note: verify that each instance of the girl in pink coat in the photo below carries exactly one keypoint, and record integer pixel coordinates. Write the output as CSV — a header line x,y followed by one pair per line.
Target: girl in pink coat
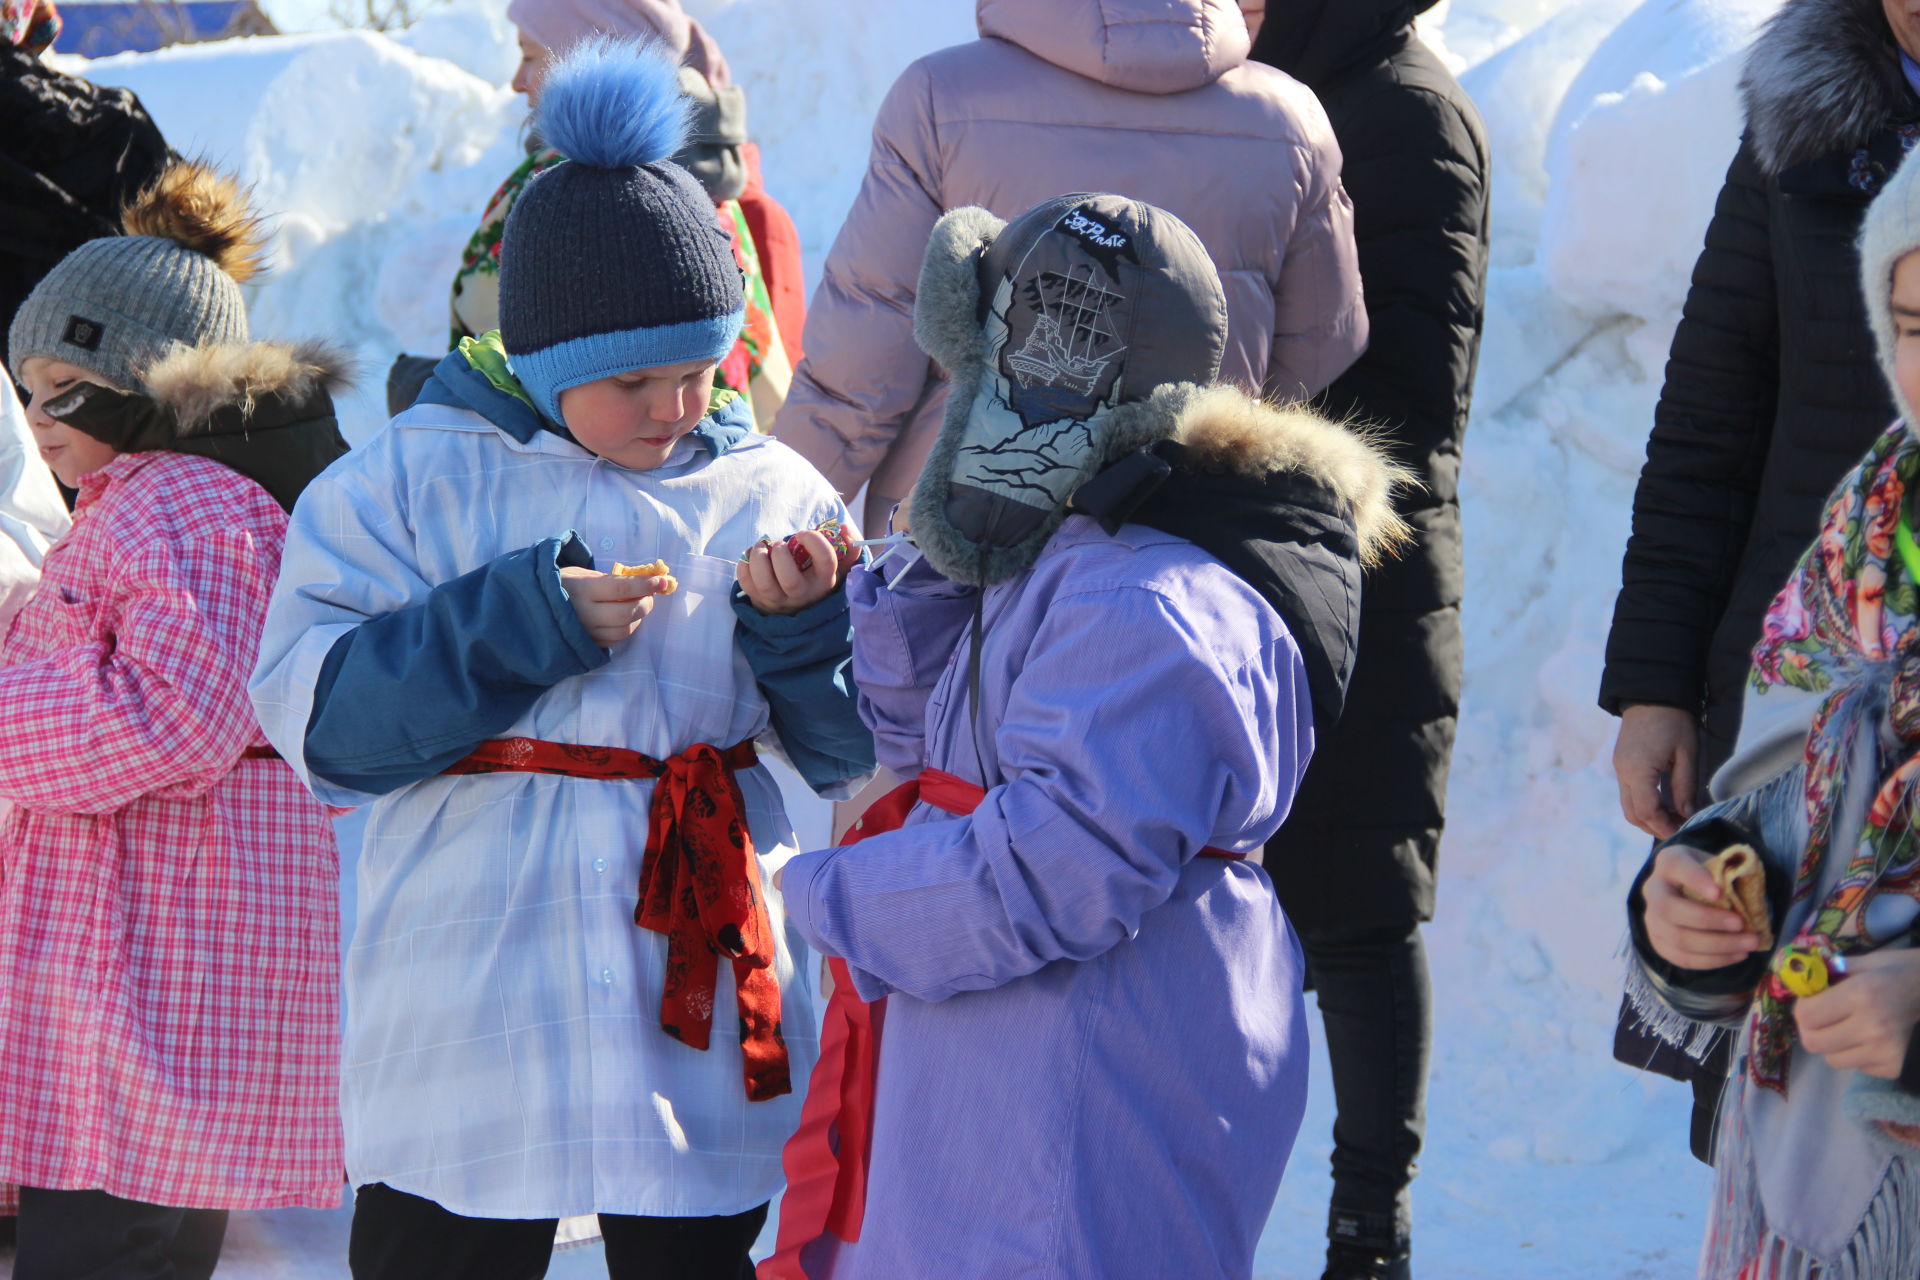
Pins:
x,y
168,929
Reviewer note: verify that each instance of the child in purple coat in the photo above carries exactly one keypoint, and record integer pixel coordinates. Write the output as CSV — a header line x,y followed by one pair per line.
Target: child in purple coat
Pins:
x,y
1134,595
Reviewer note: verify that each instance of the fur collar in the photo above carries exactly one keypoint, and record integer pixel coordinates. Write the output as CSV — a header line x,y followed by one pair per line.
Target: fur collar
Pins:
x,y
1226,429
1823,76
195,384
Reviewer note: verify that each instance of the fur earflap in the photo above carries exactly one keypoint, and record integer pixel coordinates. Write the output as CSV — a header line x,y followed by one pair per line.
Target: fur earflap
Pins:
x,y
1225,427
199,208
196,383
614,104
946,310
1823,76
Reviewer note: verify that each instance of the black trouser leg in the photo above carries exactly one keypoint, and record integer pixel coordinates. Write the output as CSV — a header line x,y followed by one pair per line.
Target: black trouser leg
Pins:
x,y
1709,1081
90,1235
399,1236
682,1248
1373,996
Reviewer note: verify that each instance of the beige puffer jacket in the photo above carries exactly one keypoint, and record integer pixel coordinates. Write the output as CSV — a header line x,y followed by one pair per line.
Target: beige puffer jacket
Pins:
x,y
1152,99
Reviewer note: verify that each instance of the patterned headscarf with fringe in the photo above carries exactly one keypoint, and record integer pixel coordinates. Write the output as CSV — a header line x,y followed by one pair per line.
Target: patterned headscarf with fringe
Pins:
x,y
1844,628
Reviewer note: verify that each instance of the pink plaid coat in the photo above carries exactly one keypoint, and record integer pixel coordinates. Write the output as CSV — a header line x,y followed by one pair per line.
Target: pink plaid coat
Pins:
x,y
169,930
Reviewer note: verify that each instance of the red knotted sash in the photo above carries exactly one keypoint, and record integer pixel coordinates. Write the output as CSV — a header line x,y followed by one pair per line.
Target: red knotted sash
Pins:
x,y
826,1159
699,885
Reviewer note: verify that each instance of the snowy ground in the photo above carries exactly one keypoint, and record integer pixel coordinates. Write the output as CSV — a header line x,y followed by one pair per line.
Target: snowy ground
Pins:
x,y
1612,122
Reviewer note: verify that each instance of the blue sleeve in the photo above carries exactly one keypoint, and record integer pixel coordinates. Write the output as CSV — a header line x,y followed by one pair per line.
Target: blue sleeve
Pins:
x,y
803,664
406,694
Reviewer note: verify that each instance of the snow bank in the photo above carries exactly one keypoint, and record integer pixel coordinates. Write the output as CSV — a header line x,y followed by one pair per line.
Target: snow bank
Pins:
x,y
1612,123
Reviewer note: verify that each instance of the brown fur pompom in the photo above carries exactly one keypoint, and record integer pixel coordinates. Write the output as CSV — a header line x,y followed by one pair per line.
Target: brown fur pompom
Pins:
x,y
196,206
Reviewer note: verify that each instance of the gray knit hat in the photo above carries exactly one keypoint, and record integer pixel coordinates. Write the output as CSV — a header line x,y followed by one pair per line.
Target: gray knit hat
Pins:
x,y
118,305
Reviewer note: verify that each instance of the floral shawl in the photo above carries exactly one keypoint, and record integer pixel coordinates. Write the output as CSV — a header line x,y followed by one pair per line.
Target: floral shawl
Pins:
x,y
1844,628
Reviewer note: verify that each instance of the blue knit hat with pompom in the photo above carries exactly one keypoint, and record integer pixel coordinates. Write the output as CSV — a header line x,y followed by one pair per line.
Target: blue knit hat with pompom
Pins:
x,y
613,261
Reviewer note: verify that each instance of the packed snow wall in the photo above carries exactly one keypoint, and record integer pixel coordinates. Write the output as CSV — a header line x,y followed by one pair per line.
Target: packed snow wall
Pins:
x,y
1612,122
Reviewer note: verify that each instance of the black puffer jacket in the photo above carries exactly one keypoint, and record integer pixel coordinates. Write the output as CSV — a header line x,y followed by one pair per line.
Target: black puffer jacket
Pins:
x,y
1358,851
1772,390
71,155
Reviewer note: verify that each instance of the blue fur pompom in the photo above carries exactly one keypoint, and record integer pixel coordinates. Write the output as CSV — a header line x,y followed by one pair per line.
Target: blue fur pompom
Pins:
x,y
613,104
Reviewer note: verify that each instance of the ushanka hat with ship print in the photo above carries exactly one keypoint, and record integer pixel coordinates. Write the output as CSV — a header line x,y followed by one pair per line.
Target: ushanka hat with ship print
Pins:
x,y
1073,335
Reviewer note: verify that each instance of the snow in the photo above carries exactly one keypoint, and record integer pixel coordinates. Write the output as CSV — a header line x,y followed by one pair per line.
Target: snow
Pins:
x,y
1612,123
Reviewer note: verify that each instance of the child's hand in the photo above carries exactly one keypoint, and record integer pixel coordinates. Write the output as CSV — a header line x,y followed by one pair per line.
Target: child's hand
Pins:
x,y
772,577
1692,934
1864,1023
610,608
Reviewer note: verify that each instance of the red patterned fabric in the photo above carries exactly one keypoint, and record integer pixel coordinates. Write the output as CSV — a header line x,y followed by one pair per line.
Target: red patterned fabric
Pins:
x,y
699,885
169,938
778,243
826,1159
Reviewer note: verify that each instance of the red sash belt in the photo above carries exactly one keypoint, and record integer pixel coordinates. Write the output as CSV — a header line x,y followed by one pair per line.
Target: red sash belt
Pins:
x,y
699,885
826,1159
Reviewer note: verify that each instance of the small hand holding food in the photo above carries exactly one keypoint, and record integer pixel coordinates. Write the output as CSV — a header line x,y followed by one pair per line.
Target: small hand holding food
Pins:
x,y
667,584
786,577
611,606
1684,925
1864,1023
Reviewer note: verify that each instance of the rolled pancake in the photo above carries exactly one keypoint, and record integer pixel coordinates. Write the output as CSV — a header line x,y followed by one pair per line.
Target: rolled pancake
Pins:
x,y
1743,888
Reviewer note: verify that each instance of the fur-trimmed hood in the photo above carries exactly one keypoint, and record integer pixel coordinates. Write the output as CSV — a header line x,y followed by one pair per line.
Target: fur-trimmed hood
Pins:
x,y
1292,503
1223,429
1823,76
265,409
1144,46
208,389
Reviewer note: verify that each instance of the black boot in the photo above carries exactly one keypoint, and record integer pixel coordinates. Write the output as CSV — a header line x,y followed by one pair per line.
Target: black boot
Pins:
x,y
1349,1262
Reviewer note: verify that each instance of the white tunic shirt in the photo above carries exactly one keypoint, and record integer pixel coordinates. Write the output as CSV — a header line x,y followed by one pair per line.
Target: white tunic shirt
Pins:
x,y
504,1055
32,517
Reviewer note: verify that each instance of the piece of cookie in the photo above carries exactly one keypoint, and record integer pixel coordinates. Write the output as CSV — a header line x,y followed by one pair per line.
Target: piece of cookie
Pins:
x,y
657,569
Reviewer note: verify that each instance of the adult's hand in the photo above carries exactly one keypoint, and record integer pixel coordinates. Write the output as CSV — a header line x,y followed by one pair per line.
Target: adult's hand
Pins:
x,y
1657,741
1864,1023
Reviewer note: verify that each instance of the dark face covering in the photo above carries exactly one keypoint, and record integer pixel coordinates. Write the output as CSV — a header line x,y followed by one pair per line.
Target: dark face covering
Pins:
x,y
278,442
126,420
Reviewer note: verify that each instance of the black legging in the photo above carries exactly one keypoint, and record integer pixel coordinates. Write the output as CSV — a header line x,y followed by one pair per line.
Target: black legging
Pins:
x,y
1373,995
398,1236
